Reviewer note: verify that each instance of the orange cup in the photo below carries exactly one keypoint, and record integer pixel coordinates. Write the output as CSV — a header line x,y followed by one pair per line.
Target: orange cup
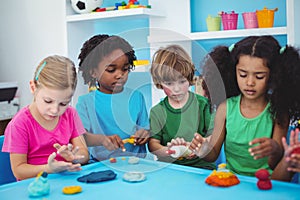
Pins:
x,y
265,17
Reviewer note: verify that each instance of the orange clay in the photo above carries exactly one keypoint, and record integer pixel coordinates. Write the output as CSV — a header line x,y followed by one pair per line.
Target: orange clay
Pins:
x,y
222,179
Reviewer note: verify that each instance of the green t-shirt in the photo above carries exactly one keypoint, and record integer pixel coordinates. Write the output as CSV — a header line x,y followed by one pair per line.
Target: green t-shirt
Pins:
x,y
167,123
239,132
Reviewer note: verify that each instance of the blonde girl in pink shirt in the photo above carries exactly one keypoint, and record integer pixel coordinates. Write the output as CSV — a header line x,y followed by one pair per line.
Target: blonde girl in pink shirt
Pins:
x,y
47,134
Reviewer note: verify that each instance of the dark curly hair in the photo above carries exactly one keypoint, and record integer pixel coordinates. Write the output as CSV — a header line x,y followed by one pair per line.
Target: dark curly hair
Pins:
x,y
97,47
220,81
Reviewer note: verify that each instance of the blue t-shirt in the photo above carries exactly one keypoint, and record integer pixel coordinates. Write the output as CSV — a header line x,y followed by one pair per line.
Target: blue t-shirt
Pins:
x,y
122,114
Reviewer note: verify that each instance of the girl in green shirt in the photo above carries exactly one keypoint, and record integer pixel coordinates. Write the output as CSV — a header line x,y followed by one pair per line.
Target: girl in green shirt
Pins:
x,y
253,114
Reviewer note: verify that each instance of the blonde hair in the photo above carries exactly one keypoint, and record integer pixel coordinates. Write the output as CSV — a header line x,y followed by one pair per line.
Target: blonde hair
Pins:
x,y
56,72
170,64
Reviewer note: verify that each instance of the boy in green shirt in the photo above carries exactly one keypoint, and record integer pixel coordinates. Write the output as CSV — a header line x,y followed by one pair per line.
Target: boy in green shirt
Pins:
x,y
181,113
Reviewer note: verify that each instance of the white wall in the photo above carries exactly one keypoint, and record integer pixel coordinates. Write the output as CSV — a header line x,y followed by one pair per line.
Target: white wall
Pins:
x,y
30,31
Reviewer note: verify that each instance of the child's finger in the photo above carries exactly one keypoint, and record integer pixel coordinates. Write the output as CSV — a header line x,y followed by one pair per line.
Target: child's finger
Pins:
x,y
181,141
255,141
51,157
57,146
292,137
76,149
70,147
61,149
284,143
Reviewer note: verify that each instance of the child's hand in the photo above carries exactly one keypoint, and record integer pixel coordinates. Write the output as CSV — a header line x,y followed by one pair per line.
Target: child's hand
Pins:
x,y
116,142
141,137
68,152
177,141
196,143
266,147
55,166
181,142
107,142
292,159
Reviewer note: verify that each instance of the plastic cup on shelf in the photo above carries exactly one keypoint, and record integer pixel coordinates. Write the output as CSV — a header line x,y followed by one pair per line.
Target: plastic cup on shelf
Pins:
x,y
250,20
229,20
213,23
265,17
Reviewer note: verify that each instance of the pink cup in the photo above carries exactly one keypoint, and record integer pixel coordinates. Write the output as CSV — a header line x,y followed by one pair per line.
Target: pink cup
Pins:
x,y
229,20
250,20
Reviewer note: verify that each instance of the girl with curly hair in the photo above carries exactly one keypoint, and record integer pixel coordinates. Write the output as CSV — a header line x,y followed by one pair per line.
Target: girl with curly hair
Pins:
x,y
252,84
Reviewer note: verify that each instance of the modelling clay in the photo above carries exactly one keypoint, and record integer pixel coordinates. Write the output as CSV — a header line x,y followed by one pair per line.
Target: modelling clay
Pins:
x,y
264,182
99,176
296,150
112,160
129,140
222,177
134,177
133,160
262,174
40,185
179,151
72,189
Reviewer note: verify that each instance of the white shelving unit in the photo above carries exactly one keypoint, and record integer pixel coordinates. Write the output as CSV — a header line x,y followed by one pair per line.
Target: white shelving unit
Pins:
x,y
167,25
169,22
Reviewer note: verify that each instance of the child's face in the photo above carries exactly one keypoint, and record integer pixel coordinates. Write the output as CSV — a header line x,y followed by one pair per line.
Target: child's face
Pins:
x,y
51,103
112,72
176,90
252,76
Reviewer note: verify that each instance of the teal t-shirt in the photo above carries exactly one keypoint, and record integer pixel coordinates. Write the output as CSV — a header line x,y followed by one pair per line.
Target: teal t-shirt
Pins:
x,y
239,132
167,123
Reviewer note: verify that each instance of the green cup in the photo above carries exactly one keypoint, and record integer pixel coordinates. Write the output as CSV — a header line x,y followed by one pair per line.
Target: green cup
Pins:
x,y
213,23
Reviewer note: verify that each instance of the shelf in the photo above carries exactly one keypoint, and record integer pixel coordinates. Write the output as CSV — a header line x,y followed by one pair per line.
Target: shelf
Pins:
x,y
116,14
217,34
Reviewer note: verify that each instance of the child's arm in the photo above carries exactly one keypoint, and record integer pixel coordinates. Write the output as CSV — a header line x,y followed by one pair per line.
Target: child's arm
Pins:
x,y
290,162
109,142
270,147
156,148
212,145
23,170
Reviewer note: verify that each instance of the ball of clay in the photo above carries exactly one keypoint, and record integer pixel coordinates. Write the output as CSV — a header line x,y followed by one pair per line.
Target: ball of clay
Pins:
x,y
133,160
264,184
262,174
134,177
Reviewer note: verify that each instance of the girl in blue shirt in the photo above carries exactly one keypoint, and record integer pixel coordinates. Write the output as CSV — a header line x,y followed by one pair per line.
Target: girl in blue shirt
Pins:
x,y
112,112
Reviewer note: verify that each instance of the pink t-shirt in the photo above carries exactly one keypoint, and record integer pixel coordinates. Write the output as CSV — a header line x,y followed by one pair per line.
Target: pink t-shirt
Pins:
x,y
24,135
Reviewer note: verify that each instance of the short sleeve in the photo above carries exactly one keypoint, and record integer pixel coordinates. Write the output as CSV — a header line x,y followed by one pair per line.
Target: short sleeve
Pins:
x,y
82,110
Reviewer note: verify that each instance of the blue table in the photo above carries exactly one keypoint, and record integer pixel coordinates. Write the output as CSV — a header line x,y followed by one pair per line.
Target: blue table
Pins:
x,y
163,181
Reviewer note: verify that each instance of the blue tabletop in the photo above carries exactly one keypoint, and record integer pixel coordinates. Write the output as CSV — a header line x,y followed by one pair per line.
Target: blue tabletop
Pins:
x,y
163,181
